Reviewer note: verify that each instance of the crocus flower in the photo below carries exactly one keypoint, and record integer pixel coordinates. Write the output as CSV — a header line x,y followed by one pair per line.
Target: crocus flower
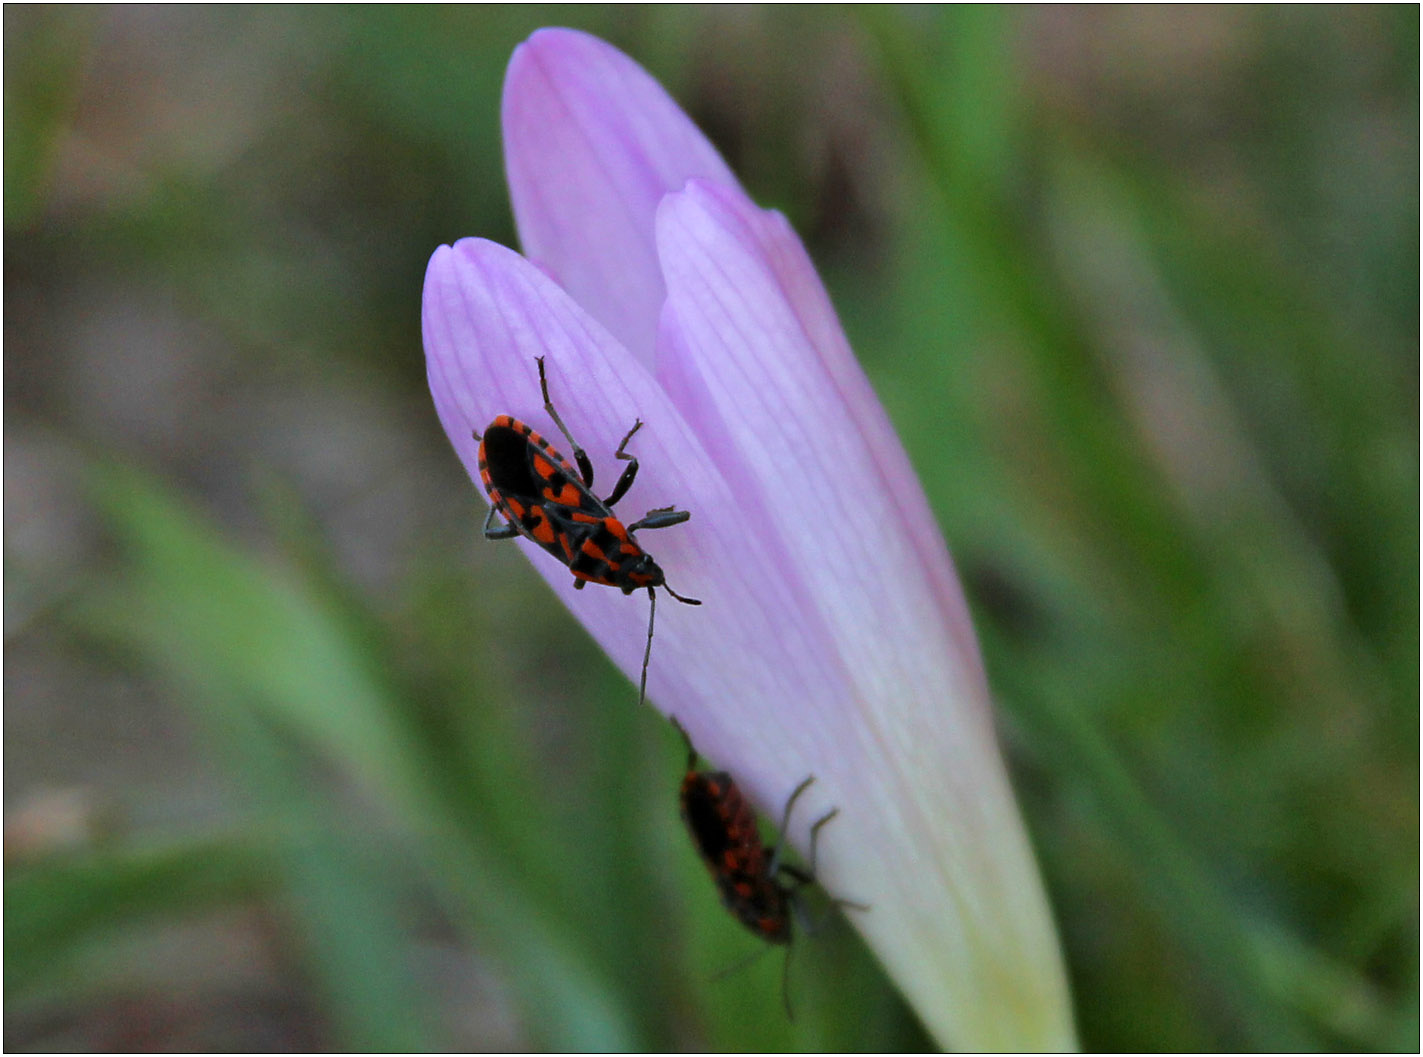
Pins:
x,y
834,639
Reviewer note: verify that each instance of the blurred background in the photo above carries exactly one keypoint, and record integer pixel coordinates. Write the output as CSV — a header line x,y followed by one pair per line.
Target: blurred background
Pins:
x,y
294,760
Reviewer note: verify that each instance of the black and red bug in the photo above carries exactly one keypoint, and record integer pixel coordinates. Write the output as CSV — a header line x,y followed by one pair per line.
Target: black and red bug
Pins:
x,y
546,498
750,876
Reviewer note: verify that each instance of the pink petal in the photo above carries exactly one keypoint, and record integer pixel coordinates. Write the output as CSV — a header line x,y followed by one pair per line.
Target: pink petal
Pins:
x,y
759,363
591,144
755,361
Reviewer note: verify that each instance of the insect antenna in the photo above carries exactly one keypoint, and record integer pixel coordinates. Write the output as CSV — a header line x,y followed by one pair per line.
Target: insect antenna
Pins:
x,y
679,598
647,651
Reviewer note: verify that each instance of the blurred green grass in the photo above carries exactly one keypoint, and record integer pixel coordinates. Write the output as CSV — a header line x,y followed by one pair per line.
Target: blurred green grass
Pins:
x,y
1139,289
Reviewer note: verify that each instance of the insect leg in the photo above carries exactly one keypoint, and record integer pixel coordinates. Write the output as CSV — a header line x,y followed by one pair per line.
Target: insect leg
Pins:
x,y
804,877
504,532
796,874
691,752
815,835
807,877
740,964
585,467
662,517
625,481
804,921
775,864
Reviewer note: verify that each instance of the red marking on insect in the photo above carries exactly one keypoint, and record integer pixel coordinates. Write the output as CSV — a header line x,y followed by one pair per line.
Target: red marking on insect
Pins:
x,y
748,874
545,498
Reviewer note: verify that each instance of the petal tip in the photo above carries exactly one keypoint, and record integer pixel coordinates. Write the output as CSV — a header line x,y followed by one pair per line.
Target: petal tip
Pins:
x,y
438,257
708,194
556,36
552,47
